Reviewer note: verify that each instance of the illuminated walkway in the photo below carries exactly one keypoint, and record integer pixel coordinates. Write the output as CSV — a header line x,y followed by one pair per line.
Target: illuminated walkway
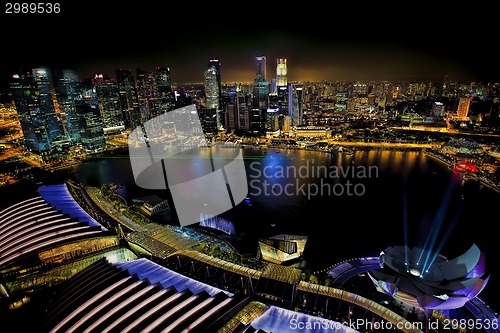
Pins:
x,y
365,303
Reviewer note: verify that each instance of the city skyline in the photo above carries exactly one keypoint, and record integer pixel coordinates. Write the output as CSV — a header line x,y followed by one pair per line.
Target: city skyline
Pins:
x,y
338,61
317,47
206,167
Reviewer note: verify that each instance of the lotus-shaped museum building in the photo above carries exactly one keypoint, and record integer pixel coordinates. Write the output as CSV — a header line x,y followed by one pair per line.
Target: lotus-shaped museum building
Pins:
x,y
427,280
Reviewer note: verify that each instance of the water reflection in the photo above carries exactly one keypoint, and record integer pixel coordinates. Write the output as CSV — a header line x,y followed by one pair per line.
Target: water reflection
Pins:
x,y
342,226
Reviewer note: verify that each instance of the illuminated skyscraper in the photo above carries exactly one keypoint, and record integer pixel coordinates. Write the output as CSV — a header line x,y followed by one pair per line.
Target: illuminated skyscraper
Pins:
x,y
295,102
281,72
68,89
260,86
243,110
215,63
32,93
108,99
463,107
147,95
212,91
164,88
282,87
90,121
128,98
261,68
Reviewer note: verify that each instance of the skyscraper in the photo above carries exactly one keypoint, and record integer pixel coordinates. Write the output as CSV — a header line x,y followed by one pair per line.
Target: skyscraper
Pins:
x,y
243,110
90,121
281,73
33,96
166,100
295,102
108,100
282,86
212,92
215,63
260,96
261,68
463,107
68,89
128,98
260,85
147,95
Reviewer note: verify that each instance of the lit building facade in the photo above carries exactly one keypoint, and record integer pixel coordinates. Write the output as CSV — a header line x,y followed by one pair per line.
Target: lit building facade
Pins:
x,y
295,102
261,68
243,106
463,107
67,90
90,121
108,99
128,98
310,132
164,89
147,94
281,73
438,109
213,91
33,97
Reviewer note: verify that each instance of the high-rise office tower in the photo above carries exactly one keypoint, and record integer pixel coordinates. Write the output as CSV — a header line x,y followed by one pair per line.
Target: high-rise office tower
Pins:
x,y
281,73
212,92
208,120
215,63
108,99
147,95
282,86
128,98
463,107
90,120
273,88
231,121
166,100
257,120
295,102
33,96
68,89
272,120
92,134
243,110
260,86
261,68
260,97
260,94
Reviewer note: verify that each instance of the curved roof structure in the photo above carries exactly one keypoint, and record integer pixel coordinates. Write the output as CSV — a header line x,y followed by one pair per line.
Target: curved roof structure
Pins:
x,y
427,280
137,296
45,221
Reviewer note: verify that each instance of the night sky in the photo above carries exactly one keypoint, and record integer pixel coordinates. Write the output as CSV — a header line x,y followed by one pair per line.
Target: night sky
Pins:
x,y
330,43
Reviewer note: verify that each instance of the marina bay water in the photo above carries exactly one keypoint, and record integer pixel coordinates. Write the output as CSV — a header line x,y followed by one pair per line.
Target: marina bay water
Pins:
x,y
348,205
